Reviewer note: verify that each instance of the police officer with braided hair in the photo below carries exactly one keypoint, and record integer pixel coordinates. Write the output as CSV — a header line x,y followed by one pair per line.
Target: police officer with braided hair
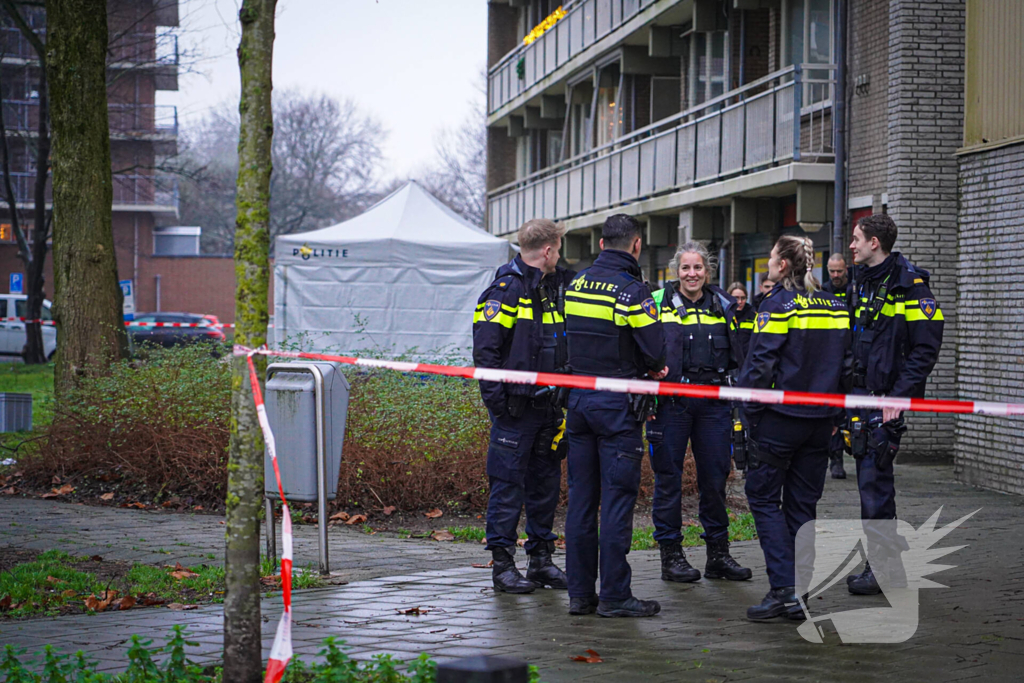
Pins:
x,y
896,339
801,342
702,343
519,325
614,331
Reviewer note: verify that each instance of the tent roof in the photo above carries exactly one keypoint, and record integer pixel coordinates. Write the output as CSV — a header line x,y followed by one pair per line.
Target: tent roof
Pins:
x,y
409,214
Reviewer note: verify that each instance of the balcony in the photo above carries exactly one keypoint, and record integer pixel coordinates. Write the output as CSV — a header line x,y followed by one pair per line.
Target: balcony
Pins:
x,y
131,192
740,133
128,120
586,22
130,48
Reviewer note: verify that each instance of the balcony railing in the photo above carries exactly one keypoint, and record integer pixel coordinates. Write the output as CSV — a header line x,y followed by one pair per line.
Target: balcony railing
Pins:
x,y
585,23
128,119
748,129
136,189
137,47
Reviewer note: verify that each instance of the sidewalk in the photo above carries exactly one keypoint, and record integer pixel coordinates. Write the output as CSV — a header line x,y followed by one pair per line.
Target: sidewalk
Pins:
x,y
974,629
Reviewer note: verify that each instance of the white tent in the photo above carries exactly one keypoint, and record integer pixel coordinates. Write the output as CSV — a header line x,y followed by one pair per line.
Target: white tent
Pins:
x,y
404,275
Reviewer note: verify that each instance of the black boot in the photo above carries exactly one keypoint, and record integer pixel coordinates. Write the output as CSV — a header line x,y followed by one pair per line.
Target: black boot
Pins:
x,y
542,571
587,605
853,577
778,602
507,578
630,607
836,466
674,566
720,564
865,584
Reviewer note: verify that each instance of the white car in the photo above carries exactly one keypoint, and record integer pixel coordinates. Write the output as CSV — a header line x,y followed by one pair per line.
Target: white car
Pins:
x,y
12,332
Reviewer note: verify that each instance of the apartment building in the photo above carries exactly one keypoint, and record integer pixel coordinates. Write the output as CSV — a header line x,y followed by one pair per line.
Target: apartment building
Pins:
x,y
713,120
143,58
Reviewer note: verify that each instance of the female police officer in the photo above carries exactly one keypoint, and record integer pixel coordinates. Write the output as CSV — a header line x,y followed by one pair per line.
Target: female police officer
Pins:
x,y
701,347
801,342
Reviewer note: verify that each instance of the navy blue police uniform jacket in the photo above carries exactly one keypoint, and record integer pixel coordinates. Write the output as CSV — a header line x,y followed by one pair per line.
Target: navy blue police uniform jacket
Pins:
x,y
613,325
801,342
900,346
517,326
702,338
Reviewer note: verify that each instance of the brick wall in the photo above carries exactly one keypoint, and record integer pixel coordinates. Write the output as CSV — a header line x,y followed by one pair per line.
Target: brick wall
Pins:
x,y
925,99
990,451
867,118
757,44
502,31
774,37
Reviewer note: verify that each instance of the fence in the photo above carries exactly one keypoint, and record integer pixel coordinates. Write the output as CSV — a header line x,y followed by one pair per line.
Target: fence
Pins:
x,y
126,118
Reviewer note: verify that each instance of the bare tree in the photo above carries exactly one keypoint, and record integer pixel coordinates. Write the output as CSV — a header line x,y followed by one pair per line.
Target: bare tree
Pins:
x,y
458,176
242,661
327,160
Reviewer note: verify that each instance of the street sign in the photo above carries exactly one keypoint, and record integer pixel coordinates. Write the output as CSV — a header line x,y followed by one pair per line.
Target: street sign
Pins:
x,y
17,283
128,290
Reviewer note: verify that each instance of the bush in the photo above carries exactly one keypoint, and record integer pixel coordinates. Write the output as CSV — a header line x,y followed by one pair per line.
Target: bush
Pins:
x,y
162,422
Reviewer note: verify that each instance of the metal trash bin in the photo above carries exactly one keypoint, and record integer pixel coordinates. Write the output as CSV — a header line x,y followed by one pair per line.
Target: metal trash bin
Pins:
x,y
15,412
307,405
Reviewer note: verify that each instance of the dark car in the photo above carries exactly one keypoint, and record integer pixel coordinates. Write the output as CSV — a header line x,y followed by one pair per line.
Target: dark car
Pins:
x,y
169,329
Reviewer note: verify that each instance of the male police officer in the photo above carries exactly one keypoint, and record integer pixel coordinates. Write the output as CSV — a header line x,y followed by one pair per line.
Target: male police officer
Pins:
x,y
614,331
896,339
837,285
519,325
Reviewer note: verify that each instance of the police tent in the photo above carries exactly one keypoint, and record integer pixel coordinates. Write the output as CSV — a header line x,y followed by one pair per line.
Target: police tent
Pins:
x,y
403,277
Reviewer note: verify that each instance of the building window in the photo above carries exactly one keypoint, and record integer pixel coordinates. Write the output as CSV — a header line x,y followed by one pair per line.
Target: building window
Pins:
x,y
176,241
709,66
609,115
665,97
807,36
6,233
554,147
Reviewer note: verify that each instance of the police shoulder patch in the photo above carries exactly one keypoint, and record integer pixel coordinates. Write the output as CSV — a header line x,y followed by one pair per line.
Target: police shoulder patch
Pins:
x,y
650,308
491,309
928,307
762,320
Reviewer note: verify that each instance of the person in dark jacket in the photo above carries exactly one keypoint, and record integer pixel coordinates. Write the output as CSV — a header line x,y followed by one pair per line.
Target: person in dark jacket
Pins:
x,y
837,285
519,325
614,331
801,342
745,314
702,347
897,335
767,285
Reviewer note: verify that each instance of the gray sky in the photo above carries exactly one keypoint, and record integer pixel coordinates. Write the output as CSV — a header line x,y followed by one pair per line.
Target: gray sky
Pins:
x,y
414,64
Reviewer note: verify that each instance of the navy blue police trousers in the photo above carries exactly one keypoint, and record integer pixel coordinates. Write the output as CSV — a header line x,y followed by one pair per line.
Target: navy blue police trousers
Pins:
x,y
521,477
706,424
877,484
784,486
605,454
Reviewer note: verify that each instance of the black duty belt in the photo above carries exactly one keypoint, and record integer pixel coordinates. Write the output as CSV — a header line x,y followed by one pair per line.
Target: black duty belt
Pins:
x,y
710,377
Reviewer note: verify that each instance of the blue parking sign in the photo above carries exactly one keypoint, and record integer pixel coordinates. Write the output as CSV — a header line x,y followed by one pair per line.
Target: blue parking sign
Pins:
x,y
17,286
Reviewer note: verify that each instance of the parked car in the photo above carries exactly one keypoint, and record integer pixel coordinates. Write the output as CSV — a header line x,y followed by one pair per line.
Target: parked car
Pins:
x,y
12,332
196,328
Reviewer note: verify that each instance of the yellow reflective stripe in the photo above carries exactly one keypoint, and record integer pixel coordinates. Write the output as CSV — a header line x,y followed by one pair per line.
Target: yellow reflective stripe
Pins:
x,y
913,312
640,320
585,310
748,325
525,313
804,320
503,319
588,295
552,318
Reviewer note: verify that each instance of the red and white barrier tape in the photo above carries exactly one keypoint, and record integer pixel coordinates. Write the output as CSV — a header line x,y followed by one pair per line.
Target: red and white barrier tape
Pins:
x,y
642,386
281,651
26,320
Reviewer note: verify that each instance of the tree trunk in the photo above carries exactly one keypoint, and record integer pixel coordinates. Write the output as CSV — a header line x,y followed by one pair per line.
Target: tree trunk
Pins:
x,y
242,637
88,303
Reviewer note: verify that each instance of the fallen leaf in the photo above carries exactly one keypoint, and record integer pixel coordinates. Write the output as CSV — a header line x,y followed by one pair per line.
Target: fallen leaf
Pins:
x,y
591,658
149,601
413,611
64,490
484,566
54,580
340,516
69,593
107,496
433,514
356,519
5,603
442,535
9,491
96,558
141,506
198,507
55,480
389,510
182,572
100,604
178,606
127,602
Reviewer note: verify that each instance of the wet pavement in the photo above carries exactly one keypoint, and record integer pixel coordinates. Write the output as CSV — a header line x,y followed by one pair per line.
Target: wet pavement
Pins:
x,y
973,629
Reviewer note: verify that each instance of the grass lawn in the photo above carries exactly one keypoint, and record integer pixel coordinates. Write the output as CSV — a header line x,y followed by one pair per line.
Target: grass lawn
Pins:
x,y
741,528
54,583
28,379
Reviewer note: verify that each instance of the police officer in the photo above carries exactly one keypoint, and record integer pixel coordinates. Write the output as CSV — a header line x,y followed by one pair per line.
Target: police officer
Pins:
x,y
745,314
801,342
767,285
519,325
896,340
838,285
702,345
614,331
